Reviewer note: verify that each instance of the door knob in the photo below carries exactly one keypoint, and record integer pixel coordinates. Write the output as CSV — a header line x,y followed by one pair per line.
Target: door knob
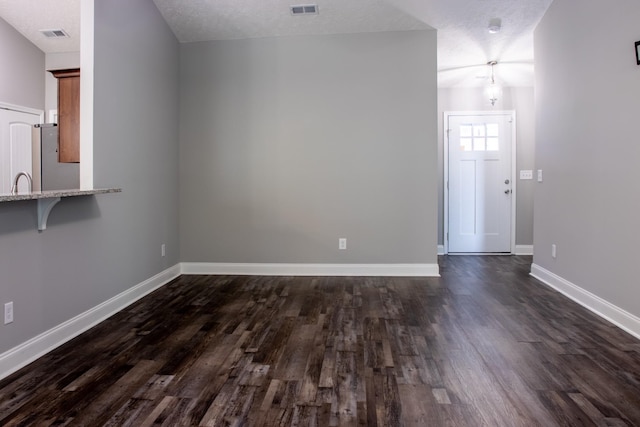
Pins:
x,y
507,191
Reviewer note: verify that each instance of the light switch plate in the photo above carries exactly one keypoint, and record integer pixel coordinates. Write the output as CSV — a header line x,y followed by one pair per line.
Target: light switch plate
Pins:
x,y
526,174
539,175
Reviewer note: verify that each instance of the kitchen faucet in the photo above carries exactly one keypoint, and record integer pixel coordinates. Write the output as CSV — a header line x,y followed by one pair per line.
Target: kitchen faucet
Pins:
x,y
14,189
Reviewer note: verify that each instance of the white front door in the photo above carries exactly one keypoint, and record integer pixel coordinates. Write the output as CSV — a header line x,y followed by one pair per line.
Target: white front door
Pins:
x,y
16,128
480,182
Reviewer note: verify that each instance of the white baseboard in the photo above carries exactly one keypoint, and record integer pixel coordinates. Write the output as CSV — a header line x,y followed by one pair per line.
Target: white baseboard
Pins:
x,y
440,249
524,250
413,270
594,303
27,352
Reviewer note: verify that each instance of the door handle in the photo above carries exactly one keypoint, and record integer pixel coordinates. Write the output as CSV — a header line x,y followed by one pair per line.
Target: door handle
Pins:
x,y
507,191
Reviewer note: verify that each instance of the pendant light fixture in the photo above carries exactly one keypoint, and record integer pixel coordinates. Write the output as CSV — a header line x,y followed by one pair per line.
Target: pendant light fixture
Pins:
x,y
493,90
495,25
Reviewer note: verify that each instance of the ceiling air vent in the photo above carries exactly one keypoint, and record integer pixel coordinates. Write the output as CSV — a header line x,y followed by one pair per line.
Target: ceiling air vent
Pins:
x,y
54,34
304,9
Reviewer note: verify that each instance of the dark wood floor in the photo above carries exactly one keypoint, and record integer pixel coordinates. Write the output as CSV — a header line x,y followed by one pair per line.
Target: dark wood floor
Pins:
x,y
484,345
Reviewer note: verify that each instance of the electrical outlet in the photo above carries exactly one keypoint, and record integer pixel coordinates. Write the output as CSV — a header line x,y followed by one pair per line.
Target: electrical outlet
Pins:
x,y
539,175
163,248
342,243
553,251
8,313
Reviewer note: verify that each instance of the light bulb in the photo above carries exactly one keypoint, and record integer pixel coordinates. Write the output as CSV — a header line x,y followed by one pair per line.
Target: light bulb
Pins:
x,y
493,92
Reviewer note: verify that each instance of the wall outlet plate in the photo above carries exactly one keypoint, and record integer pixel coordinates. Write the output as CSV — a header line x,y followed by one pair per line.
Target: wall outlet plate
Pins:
x,y
8,313
342,243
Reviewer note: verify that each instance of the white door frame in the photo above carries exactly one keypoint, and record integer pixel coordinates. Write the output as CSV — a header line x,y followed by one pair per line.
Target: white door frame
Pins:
x,y
20,109
445,135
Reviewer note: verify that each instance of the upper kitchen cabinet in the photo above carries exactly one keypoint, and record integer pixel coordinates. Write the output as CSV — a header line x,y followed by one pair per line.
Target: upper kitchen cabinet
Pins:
x,y
68,114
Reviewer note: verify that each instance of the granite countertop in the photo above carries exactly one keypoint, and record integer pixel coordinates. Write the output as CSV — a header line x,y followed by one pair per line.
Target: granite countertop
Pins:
x,y
50,194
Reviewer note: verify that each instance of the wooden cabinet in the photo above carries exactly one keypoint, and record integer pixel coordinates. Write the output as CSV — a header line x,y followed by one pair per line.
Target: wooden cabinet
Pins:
x,y
68,114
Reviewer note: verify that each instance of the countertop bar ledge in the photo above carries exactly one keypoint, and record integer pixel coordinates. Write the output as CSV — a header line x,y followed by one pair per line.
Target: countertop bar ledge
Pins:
x,y
48,199
52,194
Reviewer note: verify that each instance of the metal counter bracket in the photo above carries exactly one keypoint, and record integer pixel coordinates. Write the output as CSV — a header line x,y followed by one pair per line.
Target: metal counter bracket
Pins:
x,y
49,198
44,209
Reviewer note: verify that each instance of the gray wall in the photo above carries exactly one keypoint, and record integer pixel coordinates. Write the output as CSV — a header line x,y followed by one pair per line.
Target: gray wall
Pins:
x,y
97,247
21,73
587,109
519,99
288,144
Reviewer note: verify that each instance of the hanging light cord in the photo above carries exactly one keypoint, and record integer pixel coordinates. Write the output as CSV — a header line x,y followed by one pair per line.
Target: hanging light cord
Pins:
x,y
492,63
493,98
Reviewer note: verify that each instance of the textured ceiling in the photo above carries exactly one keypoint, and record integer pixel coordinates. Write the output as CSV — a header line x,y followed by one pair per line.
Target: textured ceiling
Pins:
x,y
200,20
464,43
31,16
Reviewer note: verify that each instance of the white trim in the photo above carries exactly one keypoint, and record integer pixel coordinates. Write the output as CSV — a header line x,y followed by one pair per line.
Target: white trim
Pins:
x,y
413,270
27,352
524,250
445,136
21,109
614,314
441,250
514,180
86,93
445,182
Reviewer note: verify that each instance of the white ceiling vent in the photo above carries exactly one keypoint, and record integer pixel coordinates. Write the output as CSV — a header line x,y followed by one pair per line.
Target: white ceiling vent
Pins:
x,y
304,9
55,33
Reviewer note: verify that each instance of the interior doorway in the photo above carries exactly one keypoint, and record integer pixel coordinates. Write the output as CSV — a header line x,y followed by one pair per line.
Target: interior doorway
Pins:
x,y
480,188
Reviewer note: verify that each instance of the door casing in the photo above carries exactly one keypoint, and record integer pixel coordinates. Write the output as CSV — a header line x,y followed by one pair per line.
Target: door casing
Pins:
x,y
445,134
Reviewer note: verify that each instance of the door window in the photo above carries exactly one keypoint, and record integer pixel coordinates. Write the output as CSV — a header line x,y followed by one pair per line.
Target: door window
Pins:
x,y
479,137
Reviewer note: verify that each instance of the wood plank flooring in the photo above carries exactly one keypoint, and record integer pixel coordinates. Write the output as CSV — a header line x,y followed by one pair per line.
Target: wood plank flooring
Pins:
x,y
484,345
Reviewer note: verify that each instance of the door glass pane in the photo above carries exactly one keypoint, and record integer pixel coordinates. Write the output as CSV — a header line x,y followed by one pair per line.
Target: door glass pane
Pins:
x,y
479,144
466,131
492,144
466,144
478,130
492,129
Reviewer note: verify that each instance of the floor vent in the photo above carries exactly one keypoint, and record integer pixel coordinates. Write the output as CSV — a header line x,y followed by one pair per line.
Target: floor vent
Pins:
x,y
54,34
304,9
